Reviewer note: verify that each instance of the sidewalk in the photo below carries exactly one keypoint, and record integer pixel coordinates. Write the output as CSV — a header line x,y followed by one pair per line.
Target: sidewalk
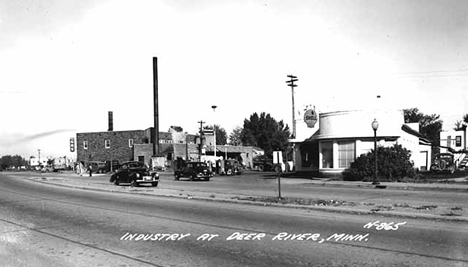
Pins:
x,y
424,209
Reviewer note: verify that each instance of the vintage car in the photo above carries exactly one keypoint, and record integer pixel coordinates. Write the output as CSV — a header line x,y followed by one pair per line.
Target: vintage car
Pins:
x,y
264,163
443,162
134,173
98,166
194,170
232,167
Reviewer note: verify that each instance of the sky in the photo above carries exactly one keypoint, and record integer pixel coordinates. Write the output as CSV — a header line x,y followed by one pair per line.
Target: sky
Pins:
x,y
64,64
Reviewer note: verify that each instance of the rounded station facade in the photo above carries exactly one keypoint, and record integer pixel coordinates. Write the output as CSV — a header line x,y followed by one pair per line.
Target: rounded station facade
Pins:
x,y
342,136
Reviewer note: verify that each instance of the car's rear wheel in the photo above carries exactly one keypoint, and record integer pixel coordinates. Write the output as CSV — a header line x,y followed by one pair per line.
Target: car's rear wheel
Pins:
x,y
193,177
155,184
177,177
116,181
261,168
207,178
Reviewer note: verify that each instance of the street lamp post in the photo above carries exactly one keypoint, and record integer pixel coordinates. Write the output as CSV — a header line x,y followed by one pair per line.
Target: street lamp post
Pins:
x,y
375,126
214,132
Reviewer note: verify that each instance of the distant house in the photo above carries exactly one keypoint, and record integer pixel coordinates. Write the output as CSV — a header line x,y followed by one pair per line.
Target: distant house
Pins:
x,y
35,162
455,142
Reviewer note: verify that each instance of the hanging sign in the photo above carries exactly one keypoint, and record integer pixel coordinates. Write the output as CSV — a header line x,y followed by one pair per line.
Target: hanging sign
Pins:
x,y
310,117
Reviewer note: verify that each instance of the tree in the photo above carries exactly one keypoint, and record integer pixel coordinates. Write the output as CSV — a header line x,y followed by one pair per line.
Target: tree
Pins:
x,y
461,125
429,125
235,136
5,162
221,135
176,128
265,132
393,164
12,161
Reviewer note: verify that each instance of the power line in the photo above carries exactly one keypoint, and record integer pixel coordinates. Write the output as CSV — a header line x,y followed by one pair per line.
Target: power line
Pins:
x,y
433,71
431,74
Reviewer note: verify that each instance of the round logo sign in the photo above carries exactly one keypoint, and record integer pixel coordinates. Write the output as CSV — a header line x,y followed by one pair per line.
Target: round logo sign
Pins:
x,y
310,118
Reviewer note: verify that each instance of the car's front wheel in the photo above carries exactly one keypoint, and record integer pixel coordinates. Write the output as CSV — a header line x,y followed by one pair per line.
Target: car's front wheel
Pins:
x,y
177,177
452,169
134,183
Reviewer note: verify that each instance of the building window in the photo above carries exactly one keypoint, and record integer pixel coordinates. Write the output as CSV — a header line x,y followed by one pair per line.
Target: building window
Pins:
x,y
345,154
85,144
458,140
161,141
327,155
130,142
107,143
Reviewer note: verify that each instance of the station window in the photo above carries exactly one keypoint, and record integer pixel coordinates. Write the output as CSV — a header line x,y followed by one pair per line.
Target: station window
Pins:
x,y
346,154
85,144
327,154
130,142
107,143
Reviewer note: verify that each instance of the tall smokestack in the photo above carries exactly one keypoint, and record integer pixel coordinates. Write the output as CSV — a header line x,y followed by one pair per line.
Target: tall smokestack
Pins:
x,y
111,122
156,112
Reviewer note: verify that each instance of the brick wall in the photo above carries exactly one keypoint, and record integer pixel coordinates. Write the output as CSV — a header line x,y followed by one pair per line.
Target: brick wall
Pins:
x,y
119,148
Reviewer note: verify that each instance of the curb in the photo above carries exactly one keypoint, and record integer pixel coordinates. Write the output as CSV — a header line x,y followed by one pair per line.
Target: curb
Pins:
x,y
330,209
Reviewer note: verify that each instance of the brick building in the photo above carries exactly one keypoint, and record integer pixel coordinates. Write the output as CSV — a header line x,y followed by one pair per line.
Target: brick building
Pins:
x,y
107,146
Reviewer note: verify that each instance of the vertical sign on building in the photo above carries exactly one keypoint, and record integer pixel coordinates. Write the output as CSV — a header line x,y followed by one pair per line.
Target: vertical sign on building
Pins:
x,y
72,144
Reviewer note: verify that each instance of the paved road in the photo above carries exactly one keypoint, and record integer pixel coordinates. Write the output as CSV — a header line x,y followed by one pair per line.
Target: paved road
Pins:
x,y
54,226
433,201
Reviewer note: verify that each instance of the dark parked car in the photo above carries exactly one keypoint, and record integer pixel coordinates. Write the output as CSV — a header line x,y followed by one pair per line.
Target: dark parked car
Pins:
x,y
443,162
264,163
134,173
98,166
194,170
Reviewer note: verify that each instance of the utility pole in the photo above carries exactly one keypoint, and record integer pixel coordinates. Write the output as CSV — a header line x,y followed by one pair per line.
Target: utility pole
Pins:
x,y
290,83
201,140
39,159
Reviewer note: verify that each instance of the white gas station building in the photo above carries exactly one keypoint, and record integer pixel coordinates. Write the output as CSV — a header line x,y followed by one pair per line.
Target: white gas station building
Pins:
x,y
339,137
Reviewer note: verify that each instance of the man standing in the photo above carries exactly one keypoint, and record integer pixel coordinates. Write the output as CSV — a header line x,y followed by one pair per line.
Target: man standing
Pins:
x,y
90,169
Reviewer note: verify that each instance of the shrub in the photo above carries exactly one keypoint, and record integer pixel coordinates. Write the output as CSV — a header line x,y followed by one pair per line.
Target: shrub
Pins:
x,y
393,164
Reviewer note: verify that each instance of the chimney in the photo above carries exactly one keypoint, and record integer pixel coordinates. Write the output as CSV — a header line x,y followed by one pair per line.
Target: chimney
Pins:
x,y
156,107
111,122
